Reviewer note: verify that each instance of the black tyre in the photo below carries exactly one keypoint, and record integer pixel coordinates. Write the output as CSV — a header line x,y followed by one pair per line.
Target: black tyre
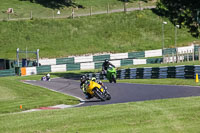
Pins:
x,y
108,97
99,95
113,78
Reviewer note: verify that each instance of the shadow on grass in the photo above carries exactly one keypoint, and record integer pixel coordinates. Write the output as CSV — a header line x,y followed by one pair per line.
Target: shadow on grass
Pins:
x,y
56,4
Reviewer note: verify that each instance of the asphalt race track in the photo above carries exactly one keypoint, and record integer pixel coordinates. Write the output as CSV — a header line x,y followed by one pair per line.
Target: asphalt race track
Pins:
x,y
120,92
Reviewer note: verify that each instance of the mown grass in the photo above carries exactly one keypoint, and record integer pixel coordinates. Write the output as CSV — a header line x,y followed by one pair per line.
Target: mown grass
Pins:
x,y
169,115
23,9
119,32
14,93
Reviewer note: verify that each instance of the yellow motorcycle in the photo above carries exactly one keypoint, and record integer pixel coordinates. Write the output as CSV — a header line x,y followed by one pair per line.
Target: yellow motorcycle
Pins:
x,y
97,90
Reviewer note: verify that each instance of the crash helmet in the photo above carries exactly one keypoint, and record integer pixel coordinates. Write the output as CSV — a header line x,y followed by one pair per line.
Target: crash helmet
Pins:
x,y
106,60
93,79
83,78
48,75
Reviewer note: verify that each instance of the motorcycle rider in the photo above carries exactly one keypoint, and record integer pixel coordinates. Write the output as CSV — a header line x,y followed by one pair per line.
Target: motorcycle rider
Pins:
x,y
84,81
105,66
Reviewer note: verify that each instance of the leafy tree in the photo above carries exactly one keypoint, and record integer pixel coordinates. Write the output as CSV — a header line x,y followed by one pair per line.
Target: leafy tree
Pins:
x,y
181,12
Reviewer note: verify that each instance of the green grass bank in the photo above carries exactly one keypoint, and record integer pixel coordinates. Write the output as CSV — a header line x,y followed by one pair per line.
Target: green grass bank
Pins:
x,y
14,93
119,32
169,115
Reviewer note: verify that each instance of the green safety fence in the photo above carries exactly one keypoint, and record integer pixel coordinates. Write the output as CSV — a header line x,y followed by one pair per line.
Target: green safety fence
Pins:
x,y
71,67
154,60
43,69
126,62
98,65
65,61
135,55
7,72
169,51
101,57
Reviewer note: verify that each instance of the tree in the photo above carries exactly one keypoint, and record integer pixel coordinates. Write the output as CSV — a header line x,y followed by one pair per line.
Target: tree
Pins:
x,y
181,12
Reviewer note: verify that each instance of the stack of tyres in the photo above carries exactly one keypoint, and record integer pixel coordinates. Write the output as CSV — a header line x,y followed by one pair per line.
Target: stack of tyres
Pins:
x,y
127,74
155,73
147,73
132,73
122,74
163,72
189,72
180,72
171,72
140,73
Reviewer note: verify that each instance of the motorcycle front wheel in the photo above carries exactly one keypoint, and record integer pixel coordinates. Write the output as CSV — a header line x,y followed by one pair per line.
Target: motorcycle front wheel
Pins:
x,y
99,95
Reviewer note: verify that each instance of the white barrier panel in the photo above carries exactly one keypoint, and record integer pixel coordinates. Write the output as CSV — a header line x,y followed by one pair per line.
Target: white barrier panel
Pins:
x,y
31,70
58,68
119,56
86,66
83,59
139,61
47,61
153,53
185,49
116,63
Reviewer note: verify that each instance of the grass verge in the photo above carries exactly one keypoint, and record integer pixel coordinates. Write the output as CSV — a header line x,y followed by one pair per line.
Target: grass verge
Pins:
x,y
169,115
14,93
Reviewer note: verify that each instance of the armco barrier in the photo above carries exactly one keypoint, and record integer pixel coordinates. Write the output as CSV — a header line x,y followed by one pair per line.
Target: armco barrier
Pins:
x,y
7,72
43,69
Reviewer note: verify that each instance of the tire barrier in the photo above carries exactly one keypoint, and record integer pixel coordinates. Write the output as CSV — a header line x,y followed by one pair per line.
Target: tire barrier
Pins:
x,y
182,72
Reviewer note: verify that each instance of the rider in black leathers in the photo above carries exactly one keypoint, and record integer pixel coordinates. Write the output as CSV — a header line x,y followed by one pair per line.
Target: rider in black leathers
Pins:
x,y
105,66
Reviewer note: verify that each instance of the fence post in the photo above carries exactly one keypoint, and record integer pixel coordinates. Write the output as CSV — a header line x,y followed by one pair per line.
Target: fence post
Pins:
x,y
90,10
8,16
187,55
173,58
73,13
108,8
193,55
31,15
125,10
140,5
199,53
53,14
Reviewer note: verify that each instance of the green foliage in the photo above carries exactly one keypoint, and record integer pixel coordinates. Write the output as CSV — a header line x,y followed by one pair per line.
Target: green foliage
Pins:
x,y
181,12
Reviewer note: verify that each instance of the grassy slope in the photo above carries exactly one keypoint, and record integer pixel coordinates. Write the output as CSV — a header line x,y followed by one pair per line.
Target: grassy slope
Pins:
x,y
14,93
171,115
22,9
135,31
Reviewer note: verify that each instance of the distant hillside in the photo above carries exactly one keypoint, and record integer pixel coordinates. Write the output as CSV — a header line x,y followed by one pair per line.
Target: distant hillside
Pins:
x,y
119,32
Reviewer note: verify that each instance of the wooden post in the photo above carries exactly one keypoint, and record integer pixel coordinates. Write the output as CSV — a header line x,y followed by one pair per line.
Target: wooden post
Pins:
x,y
173,58
187,55
108,8
73,13
140,5
182,55
168,58
53,14
193,55
90,10
199,53
8,16
125,10
31,15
